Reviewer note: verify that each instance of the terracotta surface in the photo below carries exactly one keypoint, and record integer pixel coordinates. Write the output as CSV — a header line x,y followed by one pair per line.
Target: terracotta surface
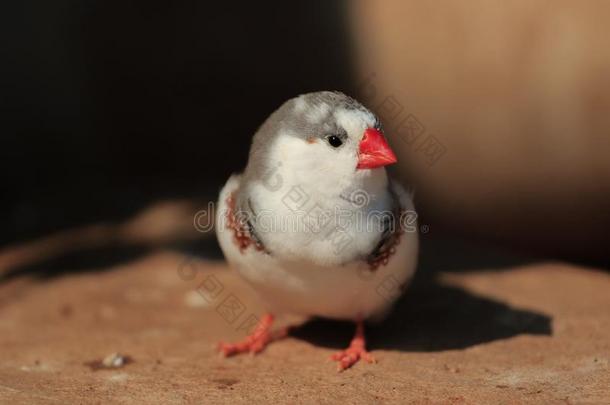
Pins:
x,y
538,333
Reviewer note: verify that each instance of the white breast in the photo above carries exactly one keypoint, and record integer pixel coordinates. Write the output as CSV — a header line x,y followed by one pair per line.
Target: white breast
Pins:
x,y
303,284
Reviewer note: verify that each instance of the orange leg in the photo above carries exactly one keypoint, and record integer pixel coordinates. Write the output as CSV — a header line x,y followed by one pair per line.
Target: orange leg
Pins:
x,y
255,342
355,351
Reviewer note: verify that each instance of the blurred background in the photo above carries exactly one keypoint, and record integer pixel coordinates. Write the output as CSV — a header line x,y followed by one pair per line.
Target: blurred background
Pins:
x,y
119,120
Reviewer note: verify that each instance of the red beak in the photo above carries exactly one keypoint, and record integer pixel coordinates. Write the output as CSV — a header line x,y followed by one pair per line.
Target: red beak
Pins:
x,y
374,151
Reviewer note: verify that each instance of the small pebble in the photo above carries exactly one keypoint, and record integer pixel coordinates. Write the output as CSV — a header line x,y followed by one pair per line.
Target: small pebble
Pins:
x,y
113,360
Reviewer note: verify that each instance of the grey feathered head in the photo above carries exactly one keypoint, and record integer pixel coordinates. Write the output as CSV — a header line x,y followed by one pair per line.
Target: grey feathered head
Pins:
x,y
327,116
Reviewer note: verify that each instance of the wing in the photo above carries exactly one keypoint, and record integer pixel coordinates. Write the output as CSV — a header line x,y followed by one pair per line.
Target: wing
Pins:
x,y
238,219
392,225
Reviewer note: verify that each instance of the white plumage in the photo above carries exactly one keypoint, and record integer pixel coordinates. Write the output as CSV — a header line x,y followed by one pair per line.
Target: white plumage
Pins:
x,y
318,281
314,224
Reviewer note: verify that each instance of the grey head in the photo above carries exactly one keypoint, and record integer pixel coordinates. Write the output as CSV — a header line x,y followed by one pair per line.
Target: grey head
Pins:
x,y
324,116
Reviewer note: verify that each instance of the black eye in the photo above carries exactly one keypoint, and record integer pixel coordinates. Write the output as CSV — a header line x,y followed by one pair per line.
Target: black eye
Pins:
x,y
334,141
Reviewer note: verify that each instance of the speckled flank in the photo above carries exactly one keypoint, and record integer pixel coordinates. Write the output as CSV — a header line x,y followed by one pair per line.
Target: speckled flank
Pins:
x,y
381,257
241,236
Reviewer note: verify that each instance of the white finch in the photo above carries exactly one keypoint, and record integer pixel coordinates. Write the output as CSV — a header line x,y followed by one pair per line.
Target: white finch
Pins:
x,y
314,224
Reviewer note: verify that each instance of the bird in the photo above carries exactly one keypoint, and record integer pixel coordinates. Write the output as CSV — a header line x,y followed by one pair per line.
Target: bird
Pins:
x,y
315,224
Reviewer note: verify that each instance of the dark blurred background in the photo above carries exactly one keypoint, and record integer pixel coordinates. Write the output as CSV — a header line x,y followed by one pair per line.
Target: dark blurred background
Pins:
x,y
109,105
499,112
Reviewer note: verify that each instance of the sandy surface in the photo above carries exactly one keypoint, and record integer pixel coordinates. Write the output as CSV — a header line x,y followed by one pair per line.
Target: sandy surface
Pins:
x,y
538,333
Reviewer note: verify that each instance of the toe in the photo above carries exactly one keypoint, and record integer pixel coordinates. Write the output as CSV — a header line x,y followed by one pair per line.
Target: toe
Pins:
x,y
347,361
349,357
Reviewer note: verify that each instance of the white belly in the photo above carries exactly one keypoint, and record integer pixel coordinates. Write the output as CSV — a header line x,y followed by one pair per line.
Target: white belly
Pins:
x,y
302,287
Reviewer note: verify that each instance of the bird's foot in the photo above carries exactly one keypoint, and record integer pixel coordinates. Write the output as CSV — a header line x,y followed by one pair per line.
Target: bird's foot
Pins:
x,y
255,342
356,351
